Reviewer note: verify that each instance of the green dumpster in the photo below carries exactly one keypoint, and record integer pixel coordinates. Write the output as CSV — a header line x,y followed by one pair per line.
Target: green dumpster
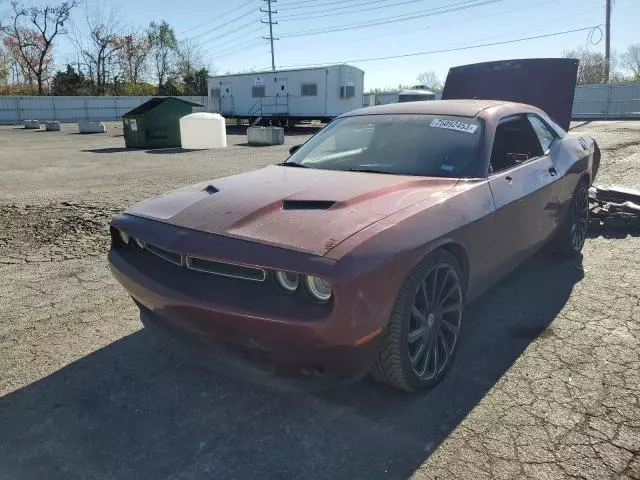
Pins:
x,y
156,123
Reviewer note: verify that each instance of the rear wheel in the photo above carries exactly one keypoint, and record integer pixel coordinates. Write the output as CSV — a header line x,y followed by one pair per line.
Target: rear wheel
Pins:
x,y
422,336
573,231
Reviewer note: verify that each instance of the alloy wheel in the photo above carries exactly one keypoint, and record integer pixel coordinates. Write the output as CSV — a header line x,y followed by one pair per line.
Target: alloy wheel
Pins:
x,y
580,219
435,321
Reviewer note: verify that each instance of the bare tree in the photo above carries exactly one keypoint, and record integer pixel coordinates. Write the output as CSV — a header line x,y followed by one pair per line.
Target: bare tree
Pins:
x,y
431,80
99,46
190,58
163,47
34,30
133,55
5,66
630,60
23,59
592,66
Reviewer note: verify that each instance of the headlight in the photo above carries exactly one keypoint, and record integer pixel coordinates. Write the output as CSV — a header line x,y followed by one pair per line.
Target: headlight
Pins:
x,y
318,288
139,243
288,281
124,237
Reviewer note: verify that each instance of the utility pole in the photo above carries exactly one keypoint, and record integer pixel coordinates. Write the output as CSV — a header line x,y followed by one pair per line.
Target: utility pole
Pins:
x,y
271,24
607,41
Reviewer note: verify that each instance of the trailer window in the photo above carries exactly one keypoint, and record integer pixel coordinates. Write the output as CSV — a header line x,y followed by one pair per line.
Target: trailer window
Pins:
x,y
215,93
257,91
309,90
347,91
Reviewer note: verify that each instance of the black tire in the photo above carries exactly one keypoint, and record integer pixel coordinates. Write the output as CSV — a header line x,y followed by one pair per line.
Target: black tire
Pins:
x,y
399,362
571,235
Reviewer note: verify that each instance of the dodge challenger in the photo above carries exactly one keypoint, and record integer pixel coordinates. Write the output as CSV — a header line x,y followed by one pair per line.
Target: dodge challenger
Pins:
x,y
359,252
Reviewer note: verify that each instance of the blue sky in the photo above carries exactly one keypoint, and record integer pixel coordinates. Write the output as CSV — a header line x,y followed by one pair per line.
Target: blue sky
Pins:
x,y
230,31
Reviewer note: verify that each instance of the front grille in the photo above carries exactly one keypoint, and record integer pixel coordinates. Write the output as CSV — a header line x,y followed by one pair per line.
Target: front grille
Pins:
x,y
213,267
226,269
252,297
165,254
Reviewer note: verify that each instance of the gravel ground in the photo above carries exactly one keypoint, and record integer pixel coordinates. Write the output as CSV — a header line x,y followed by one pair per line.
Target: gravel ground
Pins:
x,y
546,383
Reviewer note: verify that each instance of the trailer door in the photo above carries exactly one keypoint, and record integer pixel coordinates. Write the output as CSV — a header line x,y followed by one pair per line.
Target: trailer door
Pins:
x,y
226,98
282,95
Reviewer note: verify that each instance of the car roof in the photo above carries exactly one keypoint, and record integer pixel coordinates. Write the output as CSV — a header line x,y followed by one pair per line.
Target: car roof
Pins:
x,y
464,108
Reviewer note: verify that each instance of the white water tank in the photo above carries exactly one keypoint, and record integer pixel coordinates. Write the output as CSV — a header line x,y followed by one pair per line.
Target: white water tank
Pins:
x,y
203,130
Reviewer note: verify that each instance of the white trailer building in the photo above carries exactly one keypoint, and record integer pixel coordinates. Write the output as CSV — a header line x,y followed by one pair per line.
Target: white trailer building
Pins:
x,y
286,96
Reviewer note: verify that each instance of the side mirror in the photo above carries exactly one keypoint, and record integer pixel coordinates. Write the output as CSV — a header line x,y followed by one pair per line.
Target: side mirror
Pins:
x,y
294,149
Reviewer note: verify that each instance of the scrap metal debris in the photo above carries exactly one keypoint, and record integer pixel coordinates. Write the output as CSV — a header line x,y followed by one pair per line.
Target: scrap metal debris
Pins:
x,y
614,208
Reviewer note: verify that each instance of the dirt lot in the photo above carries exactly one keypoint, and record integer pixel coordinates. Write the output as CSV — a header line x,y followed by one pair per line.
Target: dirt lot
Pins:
x,y
546,383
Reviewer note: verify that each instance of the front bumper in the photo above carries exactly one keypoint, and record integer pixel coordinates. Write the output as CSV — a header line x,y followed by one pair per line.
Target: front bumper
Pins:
x,y
319,348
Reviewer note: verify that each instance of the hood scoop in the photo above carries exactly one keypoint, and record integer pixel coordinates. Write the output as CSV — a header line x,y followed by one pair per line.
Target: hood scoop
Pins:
x,y
307,204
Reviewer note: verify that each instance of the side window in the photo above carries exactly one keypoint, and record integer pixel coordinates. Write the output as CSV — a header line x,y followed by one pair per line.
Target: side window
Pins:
x,y
515,142
309,89
544,133
257,91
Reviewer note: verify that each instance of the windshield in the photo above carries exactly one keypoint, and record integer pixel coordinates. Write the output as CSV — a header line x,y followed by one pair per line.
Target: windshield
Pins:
x,y
423,145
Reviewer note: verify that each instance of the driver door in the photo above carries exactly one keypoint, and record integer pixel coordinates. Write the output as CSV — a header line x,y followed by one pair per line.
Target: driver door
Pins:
x,y
521,180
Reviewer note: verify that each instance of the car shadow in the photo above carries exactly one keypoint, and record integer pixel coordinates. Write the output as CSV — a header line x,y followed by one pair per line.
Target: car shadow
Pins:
x,y
110,150
253,145
131,410
172,150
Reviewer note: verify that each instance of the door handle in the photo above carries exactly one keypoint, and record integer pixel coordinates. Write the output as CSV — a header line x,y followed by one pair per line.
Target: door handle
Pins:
x,y
553,171
508,179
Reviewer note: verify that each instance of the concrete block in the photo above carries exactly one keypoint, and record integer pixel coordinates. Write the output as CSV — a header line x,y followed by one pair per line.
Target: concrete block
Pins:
x,y
52,126
86,126
32,124
265,135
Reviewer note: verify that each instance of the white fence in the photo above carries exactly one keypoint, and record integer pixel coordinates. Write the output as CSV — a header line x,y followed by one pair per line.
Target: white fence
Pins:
x,y
71,109
589,101
606,101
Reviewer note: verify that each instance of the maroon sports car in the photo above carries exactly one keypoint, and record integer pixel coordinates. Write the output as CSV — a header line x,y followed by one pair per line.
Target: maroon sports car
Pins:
x,y
359,252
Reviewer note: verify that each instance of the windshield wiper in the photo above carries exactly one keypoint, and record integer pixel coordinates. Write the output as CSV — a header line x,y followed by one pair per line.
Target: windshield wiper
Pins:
x,y
293,164
371,170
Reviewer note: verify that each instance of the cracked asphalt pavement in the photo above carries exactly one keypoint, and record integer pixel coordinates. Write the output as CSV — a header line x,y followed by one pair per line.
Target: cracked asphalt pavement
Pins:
x,y
546,383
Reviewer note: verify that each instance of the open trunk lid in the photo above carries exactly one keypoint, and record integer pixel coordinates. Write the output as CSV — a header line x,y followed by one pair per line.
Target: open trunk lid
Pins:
x,y
546,83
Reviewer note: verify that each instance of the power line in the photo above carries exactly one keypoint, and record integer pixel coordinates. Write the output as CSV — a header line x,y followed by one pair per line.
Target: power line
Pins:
x,y
304,3
306,15
475,19
374,23
325,5
245,36
231,31
217,18
217,27
227,53
446,50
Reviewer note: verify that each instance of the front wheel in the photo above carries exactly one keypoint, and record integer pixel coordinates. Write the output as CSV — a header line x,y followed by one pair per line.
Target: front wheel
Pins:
x,y
422,336
573,231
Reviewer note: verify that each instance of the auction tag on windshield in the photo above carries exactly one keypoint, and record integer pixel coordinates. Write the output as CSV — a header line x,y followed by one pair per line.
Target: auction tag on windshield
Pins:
x,y
454,125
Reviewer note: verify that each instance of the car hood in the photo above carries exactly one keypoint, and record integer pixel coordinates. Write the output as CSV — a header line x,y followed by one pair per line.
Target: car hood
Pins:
x,y
303,209
546,83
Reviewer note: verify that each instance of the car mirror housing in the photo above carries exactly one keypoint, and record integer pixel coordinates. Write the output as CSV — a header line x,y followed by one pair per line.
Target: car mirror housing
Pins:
x,y
294,149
